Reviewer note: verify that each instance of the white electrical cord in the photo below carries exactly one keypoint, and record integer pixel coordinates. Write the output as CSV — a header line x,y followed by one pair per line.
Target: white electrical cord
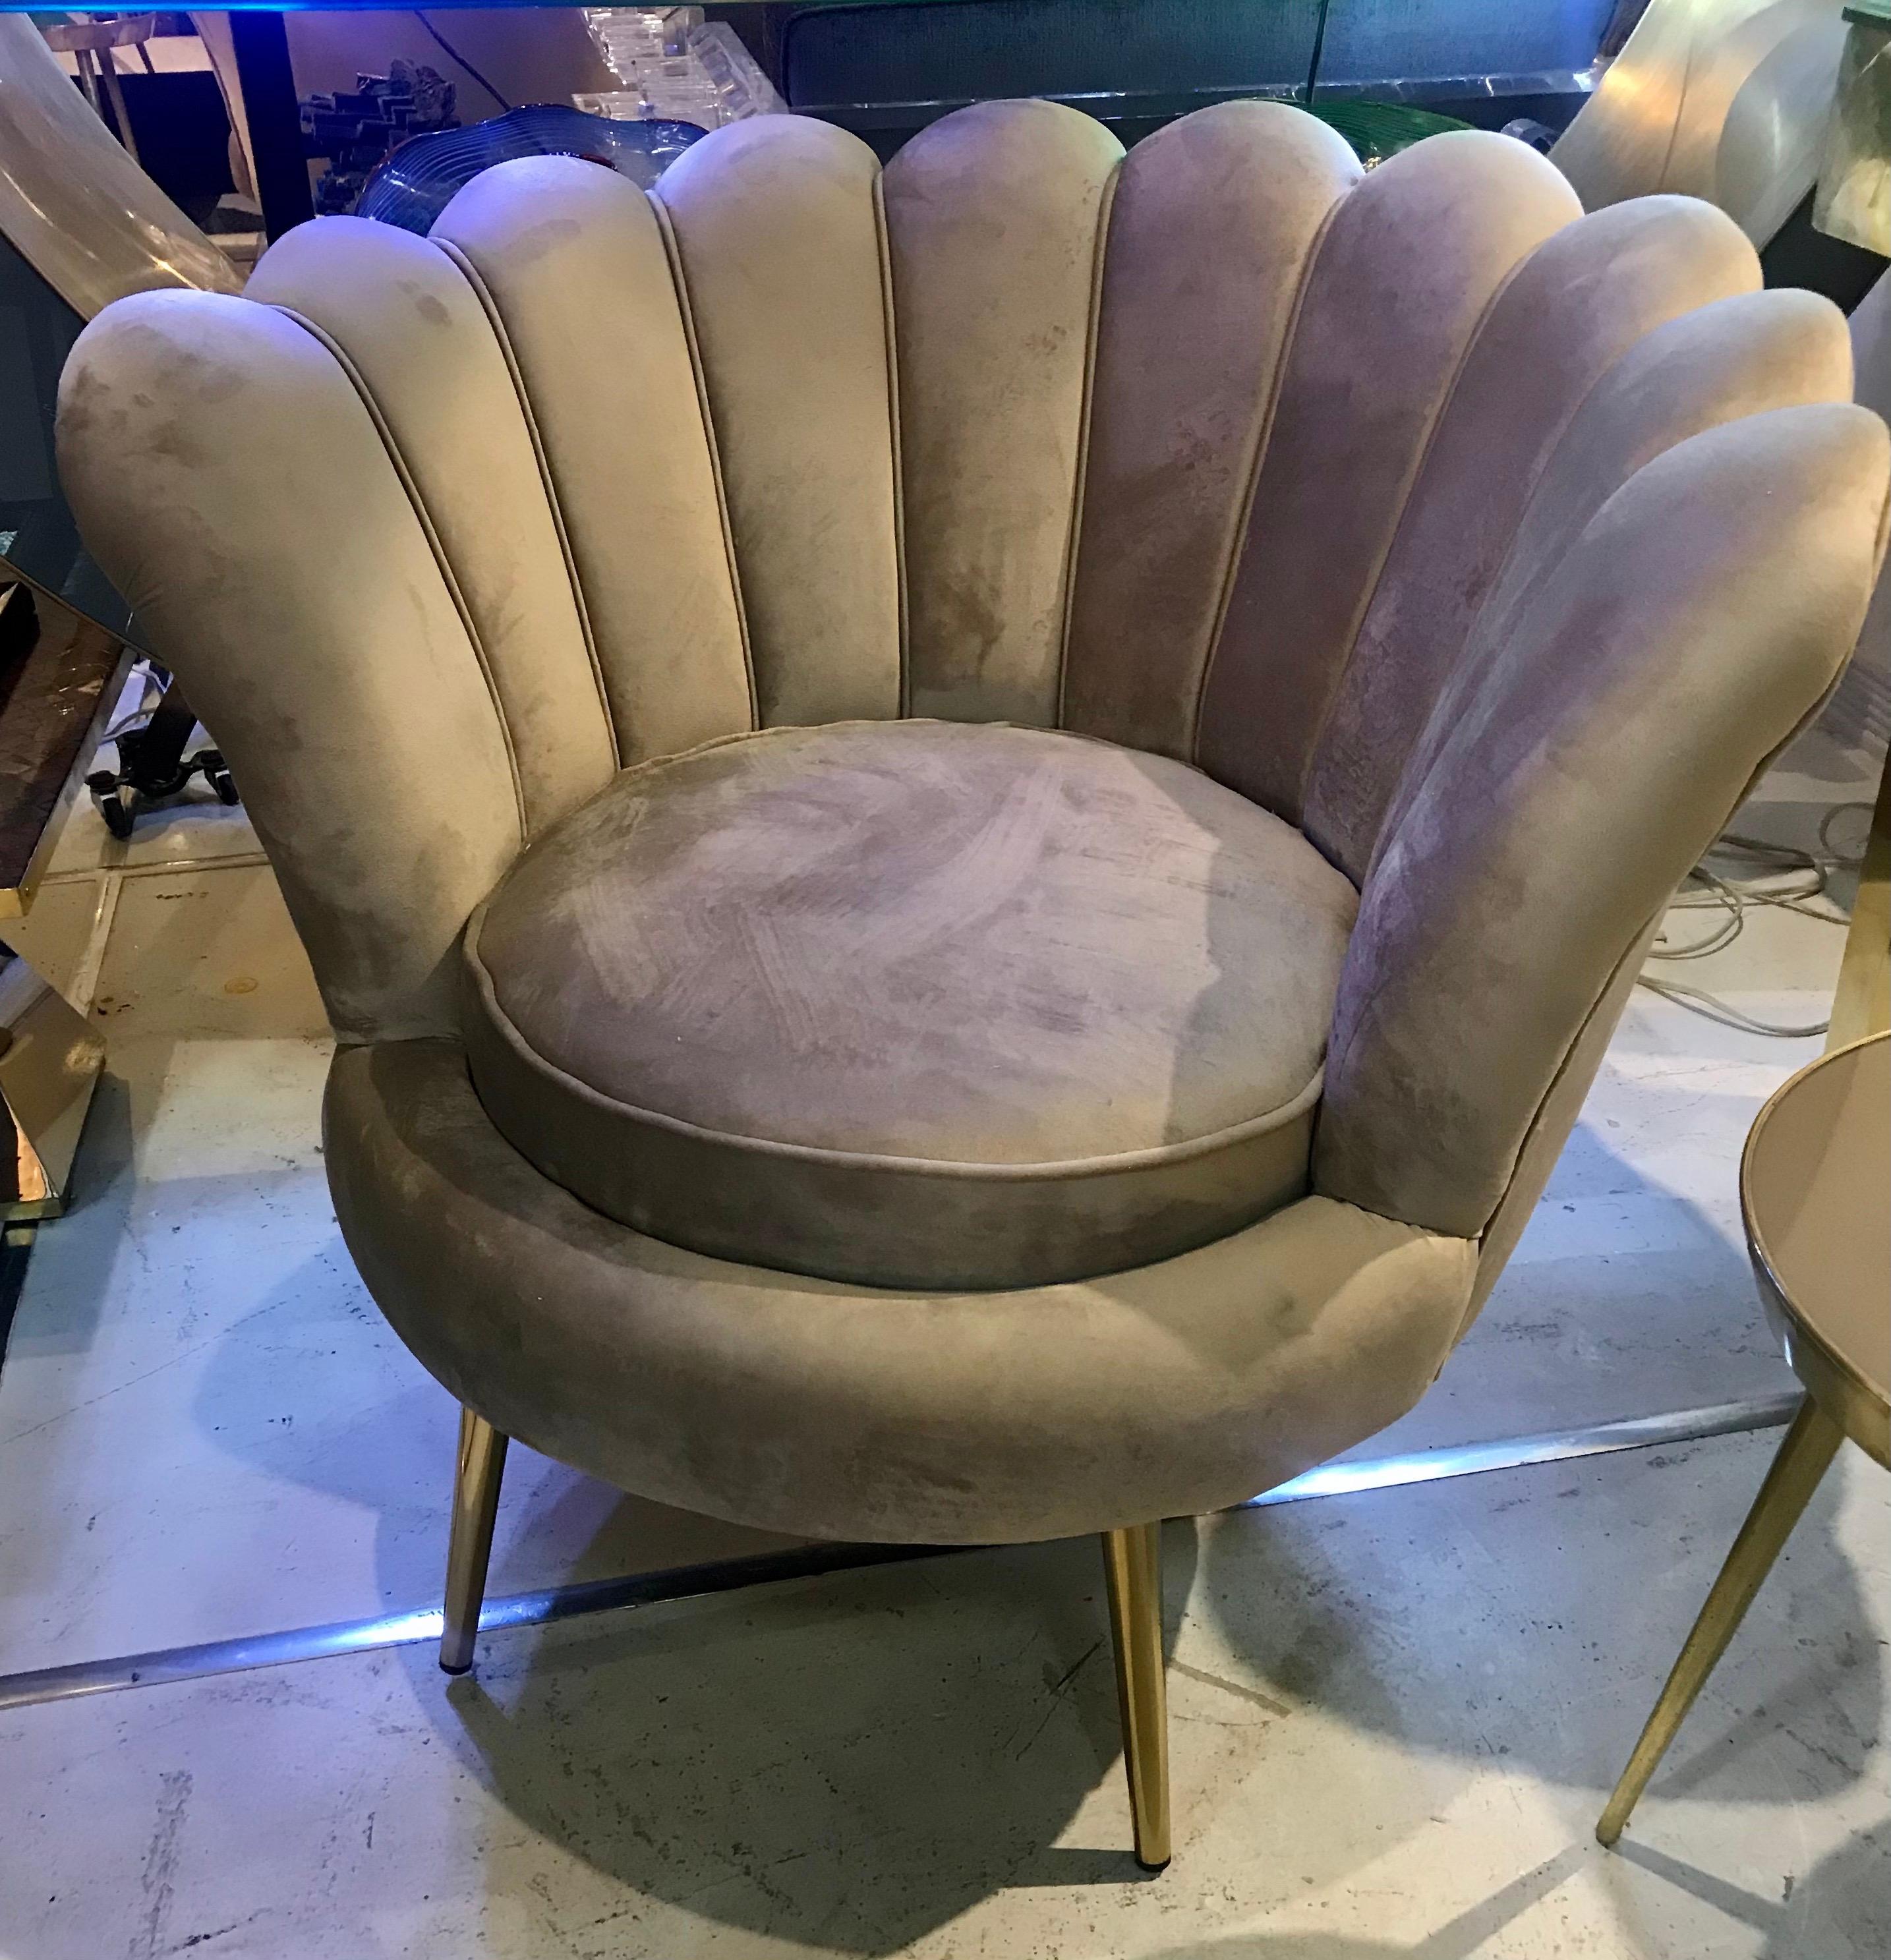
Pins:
x,y
1793,880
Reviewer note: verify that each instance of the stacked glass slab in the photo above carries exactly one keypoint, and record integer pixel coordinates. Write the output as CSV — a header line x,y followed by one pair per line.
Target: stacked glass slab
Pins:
x,y
675,65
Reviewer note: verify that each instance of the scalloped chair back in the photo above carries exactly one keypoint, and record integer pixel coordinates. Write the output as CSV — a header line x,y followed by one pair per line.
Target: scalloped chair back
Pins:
x,y
1364,494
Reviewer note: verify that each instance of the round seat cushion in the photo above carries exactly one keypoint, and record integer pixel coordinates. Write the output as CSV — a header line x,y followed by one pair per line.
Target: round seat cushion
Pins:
x,y
914,1004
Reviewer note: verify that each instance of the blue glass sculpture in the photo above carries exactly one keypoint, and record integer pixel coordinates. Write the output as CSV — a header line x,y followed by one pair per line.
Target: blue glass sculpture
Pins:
x,y
412,186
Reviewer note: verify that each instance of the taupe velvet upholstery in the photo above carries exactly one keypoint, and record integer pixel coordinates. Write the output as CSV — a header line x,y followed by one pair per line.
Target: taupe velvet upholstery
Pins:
x,y
1432,568
920,1003
810,1406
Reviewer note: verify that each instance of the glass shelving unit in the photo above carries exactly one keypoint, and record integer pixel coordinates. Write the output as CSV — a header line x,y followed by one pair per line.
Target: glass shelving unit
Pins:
x,y
883,68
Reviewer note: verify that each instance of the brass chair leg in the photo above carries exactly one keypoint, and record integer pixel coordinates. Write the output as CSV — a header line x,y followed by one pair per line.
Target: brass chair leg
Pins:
x,y
1132,1564
475,1504
1801,1461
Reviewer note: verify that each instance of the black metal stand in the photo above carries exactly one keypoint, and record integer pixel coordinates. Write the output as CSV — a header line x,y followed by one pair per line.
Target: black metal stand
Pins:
x,y
270,106
151,766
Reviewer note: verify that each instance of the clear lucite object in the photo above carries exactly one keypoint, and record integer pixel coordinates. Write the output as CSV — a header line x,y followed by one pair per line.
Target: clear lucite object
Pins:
x,y
1853,197
625,36
675,65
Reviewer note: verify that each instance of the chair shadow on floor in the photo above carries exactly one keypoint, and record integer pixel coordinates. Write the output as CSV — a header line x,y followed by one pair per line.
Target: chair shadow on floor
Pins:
x,y
1839,1909
1461,1936
1538,1628
848,1763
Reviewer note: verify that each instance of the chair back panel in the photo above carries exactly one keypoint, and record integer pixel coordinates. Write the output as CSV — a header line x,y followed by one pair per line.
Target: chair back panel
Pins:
x,y
1592,752
1407,268
779,253
225,466
1738,357
1571,311
572,264
994,220
1214,220
1546,927
403,317
1318,480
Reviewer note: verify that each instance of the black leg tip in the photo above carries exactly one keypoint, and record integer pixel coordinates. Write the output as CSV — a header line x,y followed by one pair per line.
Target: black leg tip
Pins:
x,y
1155,1871
464,1668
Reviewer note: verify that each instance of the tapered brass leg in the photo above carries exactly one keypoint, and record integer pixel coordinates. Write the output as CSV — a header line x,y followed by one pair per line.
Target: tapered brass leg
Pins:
x,y
1862,1004
1132,1563
1800,1462
475,1504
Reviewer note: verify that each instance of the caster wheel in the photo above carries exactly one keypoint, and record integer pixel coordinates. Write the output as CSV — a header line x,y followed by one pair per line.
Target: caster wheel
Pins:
x,y
216,773
119,807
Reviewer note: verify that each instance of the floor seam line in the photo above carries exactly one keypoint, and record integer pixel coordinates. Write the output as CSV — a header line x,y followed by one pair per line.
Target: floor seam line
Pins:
x,y
548,1605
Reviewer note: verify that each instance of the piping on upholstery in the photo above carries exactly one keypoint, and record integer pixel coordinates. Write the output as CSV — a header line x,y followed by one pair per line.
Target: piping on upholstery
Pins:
x,y
1634,950
1073,541
673,250
1051,1170
356,380
1340,668
1263,436
1304,1100
1478,1292
883,246
496,320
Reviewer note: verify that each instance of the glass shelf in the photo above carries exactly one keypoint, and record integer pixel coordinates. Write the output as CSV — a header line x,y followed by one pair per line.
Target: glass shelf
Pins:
x,y
884,67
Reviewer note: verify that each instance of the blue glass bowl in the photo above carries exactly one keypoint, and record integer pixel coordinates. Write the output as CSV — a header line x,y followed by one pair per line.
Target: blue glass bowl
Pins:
x,y
412,185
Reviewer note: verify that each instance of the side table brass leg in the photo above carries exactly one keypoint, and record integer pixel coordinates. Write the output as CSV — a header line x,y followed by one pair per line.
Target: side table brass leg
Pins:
x,y
1862,1004
1801,1462
475,1504
1132,1564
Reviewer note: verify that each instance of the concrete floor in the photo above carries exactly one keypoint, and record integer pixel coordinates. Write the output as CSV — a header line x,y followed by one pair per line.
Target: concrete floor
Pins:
x,y
1394,1719
1395,1714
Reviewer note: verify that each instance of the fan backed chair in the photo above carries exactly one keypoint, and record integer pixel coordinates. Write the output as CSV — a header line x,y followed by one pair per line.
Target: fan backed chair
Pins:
x,y
971,831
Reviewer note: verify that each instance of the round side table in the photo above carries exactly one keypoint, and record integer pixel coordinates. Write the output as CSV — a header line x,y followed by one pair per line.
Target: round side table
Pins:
x,y
1815,1193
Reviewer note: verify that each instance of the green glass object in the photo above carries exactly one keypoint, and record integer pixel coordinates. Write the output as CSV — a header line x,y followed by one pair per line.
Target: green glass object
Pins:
x,y
1377,130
